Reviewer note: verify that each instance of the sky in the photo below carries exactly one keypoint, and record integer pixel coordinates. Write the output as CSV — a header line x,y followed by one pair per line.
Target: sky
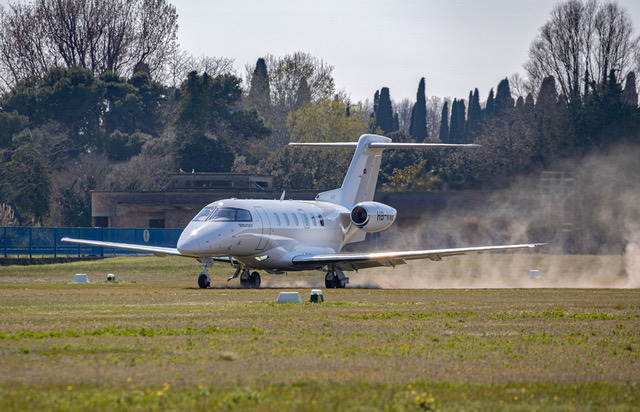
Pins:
x,y
457,45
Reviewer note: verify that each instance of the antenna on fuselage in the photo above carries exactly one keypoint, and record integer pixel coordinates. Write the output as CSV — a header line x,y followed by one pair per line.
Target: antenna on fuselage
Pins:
x,y
282,196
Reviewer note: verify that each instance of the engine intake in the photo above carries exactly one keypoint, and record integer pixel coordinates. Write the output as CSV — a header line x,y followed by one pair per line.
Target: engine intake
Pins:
x,y
372,216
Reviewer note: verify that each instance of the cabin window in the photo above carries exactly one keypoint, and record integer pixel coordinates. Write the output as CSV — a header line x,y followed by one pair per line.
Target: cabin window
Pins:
x,y
313,220
305,219
295,219
286,219
277,218
321,220
230,214
204,213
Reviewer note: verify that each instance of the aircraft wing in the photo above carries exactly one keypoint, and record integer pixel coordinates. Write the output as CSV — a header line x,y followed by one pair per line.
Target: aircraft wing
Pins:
x,y
156,250
355,261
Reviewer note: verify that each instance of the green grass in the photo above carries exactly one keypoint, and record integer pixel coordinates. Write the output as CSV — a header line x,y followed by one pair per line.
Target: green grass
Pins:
x,y
154,341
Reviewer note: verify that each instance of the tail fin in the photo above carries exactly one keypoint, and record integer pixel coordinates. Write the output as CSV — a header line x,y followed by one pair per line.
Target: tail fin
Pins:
x,y
359,184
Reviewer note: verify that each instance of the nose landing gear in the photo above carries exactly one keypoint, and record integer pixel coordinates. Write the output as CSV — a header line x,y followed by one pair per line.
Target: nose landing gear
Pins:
x,y
203,277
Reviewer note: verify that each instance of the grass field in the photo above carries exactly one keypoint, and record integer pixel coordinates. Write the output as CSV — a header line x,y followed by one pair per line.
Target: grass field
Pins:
x,y
154,341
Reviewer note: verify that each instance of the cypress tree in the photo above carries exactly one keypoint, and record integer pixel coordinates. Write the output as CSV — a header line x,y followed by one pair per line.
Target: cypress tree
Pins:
x,y
260,93
304,93
489,109
418,128
474,117
528,102
444,124
547,96
630,94
384,115
503,101
461,121
453,128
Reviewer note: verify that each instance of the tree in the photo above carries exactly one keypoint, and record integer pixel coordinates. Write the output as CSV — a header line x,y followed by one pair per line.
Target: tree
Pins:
x,y
411,178
121,146
285,75
489,109
326,121
259,95
30,183
474,117
630,94
404,110
293,168
444,124
456,129
194,110
204,154
384,114
418,128
503,100
304,94
582,37
10,124
109,35
72,97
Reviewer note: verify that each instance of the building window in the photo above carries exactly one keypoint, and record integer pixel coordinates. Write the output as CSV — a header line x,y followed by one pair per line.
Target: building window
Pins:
x,y
101,221
156,223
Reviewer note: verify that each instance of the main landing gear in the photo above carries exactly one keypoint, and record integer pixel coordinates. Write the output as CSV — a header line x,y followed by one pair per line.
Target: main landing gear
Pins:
x,y
248,279
335,278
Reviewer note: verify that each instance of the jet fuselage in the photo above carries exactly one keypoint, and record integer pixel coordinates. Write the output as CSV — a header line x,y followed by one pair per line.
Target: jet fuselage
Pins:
x,y
265,234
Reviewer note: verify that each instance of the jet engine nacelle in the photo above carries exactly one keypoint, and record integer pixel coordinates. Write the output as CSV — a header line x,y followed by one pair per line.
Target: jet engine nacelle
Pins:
x,y
372,216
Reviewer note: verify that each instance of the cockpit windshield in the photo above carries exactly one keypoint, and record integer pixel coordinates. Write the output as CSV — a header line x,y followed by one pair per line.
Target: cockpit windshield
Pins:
x,y
204,214
223,214
230,214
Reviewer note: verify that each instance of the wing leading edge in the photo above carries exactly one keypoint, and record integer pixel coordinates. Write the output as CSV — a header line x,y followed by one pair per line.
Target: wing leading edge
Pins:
x,y
355,261
156,250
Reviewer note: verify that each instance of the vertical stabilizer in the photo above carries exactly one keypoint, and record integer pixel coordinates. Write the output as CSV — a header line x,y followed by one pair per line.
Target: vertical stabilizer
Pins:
x,y
359,184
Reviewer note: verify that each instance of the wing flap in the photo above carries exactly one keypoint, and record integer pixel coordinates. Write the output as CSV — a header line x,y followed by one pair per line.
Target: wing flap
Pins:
x,y
366,260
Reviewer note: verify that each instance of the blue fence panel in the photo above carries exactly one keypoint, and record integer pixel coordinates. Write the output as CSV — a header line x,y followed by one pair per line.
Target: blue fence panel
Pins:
x,y
45,241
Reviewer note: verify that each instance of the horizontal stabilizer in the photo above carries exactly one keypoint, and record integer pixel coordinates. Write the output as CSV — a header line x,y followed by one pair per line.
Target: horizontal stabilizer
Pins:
x,y
382,145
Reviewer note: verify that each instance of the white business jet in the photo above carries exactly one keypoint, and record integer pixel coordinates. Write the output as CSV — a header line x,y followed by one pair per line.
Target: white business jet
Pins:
x,y
278,236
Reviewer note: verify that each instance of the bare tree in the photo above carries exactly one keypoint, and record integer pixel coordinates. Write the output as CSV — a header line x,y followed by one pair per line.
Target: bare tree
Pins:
x,y
614,43
403,109
181,63
99,35
580,44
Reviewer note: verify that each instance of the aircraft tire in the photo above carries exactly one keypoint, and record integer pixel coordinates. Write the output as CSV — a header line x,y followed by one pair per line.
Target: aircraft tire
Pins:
x,y
203,281
331,281
254,280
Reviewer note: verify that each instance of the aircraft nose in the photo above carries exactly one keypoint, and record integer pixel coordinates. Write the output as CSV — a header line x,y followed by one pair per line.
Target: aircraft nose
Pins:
x,y
189,245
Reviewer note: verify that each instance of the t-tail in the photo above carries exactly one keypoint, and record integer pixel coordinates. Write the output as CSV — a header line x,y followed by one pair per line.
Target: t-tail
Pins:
x,y
359,184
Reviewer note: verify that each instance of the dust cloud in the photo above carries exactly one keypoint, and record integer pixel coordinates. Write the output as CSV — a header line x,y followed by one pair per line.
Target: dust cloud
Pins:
x,y
587,212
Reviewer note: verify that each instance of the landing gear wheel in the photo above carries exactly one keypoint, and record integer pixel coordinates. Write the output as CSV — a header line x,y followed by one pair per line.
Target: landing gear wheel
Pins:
x,y
250,280
331,281
254,280
203,281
